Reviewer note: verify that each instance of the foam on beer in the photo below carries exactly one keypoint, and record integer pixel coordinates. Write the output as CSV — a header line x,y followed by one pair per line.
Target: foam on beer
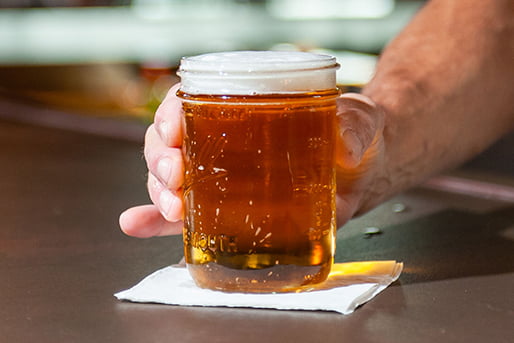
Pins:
x,y
257,72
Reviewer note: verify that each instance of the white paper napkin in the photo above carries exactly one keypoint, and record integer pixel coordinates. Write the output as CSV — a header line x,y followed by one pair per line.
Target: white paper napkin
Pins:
x,y
348,286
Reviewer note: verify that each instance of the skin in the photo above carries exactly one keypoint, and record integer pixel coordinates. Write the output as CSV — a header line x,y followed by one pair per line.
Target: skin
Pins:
x,y
441,94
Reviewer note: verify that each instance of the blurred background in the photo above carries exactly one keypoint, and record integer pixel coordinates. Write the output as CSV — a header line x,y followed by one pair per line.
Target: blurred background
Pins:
x,y
117,58
79,83
103,66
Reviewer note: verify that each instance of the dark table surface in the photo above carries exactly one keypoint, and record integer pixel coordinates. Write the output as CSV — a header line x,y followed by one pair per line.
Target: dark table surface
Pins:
x,y
62,256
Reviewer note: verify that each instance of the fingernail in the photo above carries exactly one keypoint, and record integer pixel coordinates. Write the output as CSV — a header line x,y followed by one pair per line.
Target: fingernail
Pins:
x,y
166,199
163,129
164,169
353,145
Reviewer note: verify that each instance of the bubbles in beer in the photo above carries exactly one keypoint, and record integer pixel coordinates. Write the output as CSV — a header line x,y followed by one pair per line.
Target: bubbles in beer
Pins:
x,y
253,216
262,168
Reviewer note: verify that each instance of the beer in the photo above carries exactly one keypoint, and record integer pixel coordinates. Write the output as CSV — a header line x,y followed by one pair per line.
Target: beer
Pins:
x,y
259,188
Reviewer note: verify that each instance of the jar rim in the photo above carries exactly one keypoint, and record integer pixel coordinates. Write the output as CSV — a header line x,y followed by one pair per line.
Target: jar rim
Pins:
x,y
259,62
257,72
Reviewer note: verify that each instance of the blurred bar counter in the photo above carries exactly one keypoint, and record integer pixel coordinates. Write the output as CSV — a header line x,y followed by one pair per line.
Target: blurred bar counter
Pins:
x,y
166,30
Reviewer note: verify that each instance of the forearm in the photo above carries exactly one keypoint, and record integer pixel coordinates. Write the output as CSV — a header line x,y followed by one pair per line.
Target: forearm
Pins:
x,y
445,84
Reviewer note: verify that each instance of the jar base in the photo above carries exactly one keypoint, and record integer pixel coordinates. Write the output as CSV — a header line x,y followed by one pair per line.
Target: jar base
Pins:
x,y
275,279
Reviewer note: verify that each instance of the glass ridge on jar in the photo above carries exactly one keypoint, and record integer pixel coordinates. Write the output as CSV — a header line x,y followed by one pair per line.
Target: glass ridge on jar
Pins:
x,y
259,155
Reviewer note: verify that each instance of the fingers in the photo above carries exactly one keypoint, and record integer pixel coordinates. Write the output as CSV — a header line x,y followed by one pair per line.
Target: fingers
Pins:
x,y
164,163
169,202
147,221
163,156
360,120
168,121
165,176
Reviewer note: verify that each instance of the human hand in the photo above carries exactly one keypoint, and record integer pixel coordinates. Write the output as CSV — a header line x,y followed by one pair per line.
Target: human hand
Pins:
x,y
361,177
359,151
163,155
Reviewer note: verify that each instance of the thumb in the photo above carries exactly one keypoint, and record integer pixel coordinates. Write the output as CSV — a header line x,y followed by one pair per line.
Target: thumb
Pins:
x,y
359,120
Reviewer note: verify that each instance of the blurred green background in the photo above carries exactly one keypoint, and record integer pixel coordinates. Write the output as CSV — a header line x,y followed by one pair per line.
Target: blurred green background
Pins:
x,y
118,57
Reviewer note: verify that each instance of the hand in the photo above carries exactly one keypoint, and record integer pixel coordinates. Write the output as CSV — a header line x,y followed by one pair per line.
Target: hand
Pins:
x,y
361,177
359,151
163,157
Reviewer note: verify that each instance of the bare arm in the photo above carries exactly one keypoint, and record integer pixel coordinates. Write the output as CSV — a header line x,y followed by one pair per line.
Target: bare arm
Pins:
x,y
446,85
442,93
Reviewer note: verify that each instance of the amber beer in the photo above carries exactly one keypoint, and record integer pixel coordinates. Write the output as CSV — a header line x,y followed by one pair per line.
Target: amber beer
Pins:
x,y
259,153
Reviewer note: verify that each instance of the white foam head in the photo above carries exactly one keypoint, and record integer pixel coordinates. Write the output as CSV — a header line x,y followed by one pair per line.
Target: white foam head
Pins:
x,y
257,72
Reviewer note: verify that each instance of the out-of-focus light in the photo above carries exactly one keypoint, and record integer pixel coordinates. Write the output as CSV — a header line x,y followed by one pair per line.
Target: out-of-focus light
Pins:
x,y
154,9
357,68
329,9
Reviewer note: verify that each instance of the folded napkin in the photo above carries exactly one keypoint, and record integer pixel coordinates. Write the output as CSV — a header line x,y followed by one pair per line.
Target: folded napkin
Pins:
x,y
348,286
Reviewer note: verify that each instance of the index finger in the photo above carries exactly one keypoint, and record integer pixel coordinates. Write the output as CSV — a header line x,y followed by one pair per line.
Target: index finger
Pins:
x,y
168,119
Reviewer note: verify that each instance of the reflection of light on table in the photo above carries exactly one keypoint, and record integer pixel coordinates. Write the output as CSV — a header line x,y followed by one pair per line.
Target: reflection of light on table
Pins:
x,y
349,273
470,187
367,268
